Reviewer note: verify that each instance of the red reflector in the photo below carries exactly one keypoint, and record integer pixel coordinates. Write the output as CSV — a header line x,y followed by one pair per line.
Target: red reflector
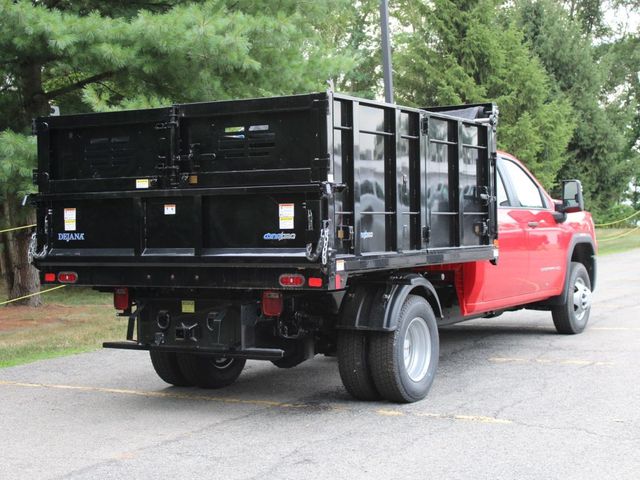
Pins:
x,y
315,282
338,281
121,298
271,304
291,280
67,277
49,277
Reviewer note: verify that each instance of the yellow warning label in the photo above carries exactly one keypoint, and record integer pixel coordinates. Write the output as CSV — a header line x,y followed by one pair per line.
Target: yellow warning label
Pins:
x,y
286,214
142,183
188,306
69,219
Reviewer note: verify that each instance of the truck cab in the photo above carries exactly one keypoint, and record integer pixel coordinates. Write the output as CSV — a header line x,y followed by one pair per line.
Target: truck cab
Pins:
x,y
538,241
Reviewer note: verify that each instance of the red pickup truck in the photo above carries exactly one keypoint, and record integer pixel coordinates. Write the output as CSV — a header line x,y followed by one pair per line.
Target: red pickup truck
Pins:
x,y
281,228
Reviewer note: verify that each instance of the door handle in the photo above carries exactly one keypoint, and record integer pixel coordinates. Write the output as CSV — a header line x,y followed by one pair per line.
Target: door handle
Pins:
x,y
533,224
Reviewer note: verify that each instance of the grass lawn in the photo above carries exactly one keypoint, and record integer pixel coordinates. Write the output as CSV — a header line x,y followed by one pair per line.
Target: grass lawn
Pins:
x,y
73,320
607,243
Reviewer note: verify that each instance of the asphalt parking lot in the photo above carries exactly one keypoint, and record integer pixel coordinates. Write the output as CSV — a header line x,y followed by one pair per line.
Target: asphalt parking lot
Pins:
x,y
512,399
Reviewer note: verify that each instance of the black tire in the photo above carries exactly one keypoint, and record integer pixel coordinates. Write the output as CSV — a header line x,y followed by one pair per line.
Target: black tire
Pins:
x,y
396,381
353,364
166,366
572,317
206,371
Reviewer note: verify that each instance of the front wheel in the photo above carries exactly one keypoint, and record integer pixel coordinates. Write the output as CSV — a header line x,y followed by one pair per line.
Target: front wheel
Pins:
x,y
404,362
572,316
210,372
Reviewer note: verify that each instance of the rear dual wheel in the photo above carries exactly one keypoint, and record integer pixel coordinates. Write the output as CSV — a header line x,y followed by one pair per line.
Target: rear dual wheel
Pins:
x,y
166,366
185,370
398,366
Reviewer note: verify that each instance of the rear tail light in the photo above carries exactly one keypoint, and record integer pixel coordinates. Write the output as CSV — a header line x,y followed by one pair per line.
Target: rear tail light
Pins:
x,y
49,277
315,282
67,277
271,304
291,280
121,298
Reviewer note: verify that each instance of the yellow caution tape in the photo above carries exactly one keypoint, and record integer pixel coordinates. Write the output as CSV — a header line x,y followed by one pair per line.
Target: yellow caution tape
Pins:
x,y
32,295
623,234
17,228
618,221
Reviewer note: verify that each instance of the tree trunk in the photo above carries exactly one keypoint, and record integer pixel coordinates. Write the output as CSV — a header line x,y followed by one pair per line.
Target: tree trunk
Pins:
x,y
34,100
21,277
4,285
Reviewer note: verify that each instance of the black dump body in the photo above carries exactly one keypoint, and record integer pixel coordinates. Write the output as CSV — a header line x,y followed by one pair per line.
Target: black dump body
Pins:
x,y
233,194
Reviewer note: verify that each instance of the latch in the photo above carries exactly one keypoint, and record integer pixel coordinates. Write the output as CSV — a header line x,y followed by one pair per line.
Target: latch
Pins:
x,y
484,197
481,229
344,233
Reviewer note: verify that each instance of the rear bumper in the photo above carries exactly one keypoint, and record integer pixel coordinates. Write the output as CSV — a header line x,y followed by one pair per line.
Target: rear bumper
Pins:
x,y
248,353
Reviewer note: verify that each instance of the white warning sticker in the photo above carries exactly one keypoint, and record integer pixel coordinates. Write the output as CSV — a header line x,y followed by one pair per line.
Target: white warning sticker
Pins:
x,y
69,219
285,212
170,209
142,183
340,265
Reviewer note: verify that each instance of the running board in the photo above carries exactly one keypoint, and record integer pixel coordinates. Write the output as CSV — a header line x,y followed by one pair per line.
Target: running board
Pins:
x,y
249,353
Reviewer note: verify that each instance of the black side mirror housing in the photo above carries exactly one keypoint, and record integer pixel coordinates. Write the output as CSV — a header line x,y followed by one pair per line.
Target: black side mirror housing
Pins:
x,y
559,214
572,199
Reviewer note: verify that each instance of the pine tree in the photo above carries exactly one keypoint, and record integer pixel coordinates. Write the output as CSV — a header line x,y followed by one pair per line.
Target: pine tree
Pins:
x,y
597,149
471,51
94,55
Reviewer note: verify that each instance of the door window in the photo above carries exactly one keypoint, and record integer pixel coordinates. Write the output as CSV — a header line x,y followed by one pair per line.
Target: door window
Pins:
x,y
526,191
503,199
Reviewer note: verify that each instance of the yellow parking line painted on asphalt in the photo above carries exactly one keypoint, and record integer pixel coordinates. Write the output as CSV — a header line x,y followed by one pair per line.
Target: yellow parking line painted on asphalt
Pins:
x,y
261,403
481,419
389,413
146,393
468,418
549,361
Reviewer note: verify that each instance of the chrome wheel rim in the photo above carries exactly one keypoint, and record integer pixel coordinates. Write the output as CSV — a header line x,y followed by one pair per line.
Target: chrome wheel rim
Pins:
x,y
222,362
581,299
417,349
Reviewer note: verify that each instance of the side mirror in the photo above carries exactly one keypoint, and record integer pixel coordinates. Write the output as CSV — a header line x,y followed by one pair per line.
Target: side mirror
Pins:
x,y
572,200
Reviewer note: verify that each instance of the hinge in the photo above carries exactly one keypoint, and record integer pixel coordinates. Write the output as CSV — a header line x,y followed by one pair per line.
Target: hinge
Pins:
x,y
39,178
321,104
320,168
166,125
424,125
426,234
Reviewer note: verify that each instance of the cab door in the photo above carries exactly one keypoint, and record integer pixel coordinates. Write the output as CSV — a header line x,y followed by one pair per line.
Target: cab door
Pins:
x,y
509,276
543,233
